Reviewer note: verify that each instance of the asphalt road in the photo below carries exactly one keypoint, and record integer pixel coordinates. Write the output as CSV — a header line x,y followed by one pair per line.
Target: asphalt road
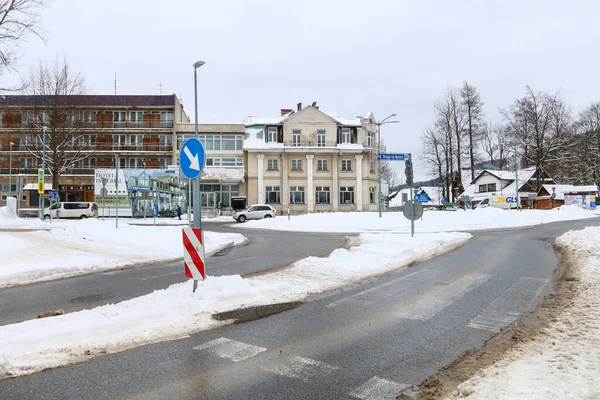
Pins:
x,y
367,342
263,251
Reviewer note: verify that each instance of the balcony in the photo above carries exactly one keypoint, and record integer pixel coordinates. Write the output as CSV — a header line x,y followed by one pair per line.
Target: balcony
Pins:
x,y
99,147
96,125
309,143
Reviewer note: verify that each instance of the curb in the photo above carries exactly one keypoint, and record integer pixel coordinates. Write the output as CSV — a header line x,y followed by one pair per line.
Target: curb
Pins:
x,y
252,313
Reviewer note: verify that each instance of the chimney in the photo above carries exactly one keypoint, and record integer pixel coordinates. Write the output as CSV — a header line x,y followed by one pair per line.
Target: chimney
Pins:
x,y
286,111
299,106
314,104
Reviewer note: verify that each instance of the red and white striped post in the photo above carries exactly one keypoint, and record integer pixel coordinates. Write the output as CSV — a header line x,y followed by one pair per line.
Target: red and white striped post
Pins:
x,y
193,255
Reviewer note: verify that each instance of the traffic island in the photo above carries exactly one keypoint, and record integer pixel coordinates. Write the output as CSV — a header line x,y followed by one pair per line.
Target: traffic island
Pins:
x,y
252,313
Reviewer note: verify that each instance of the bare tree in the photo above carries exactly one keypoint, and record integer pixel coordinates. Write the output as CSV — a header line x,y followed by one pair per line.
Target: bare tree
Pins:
x,y
539,126
584,157
53,128
388,175
501,135
473,109
433,151
19,19
443,124
488,141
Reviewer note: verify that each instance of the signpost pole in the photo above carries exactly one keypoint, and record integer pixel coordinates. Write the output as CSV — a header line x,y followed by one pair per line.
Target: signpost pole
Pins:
x,y
189,207
116,191
41,199
379,166
412,221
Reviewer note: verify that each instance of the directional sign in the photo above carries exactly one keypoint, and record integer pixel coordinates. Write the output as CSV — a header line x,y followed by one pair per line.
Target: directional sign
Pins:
x,y
191,158
141,188
468,206
54,195
393,156
422,197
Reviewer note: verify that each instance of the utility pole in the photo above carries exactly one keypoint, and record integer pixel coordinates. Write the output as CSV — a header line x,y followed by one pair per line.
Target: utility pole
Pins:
x,y
382,122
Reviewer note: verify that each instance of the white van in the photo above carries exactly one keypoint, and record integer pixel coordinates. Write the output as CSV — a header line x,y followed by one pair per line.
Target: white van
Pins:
x,y
80,210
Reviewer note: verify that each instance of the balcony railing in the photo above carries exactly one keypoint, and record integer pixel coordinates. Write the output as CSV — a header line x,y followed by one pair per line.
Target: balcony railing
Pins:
x,y
309,143
153,147
70,171
97,125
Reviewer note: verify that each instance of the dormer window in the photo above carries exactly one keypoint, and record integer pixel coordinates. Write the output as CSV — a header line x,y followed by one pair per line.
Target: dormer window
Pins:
x,y
272,134
345,135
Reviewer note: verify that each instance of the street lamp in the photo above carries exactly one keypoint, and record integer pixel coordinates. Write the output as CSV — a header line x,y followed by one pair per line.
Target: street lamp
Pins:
x,y
197,207
10,170
382,122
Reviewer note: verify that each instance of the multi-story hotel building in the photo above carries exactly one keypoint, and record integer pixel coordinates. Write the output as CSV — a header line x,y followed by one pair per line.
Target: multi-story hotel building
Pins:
x,y
140,129
309,161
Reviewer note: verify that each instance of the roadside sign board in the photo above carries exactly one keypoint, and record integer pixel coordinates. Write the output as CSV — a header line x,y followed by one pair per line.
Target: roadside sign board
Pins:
x,y
468,206
54,195
191,158
45,195
393,156
422,197
412,210
40,180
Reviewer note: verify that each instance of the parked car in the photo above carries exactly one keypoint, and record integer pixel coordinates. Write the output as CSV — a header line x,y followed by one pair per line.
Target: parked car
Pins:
x,y
257,211
81,210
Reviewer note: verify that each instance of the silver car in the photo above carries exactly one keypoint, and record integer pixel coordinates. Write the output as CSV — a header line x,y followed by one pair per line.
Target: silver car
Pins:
x,y
257,211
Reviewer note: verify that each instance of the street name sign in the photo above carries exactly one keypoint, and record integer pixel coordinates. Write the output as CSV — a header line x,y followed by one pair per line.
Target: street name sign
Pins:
x,y
393,156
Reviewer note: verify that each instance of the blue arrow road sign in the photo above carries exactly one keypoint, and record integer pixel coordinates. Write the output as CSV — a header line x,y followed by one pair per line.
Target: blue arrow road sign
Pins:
x,y
393,156
191,158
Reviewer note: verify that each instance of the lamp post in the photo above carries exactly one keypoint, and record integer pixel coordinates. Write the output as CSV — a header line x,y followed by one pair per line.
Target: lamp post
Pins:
x,y
145,195
197,205
382,122
10,170
41,201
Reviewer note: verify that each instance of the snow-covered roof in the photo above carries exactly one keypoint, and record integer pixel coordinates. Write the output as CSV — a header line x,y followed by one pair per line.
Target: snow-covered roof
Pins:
x,y
560,190
344,121
350,146
266,120
34,186
256,140
224,174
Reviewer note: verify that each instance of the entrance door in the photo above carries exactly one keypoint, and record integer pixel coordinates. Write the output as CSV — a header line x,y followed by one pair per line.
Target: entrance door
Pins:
x,y
209,204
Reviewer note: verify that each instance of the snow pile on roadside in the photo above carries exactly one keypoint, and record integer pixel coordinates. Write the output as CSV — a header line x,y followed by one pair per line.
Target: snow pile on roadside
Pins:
x,y
10,220
174,312
83,246
563,361
432,221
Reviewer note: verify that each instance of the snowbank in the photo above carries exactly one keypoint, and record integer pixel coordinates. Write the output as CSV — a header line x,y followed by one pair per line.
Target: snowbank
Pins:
x,y
78,247
432,221
175,312
9,220
563,361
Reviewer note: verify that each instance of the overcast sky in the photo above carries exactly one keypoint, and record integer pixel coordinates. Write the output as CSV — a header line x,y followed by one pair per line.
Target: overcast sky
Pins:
x,y
385,56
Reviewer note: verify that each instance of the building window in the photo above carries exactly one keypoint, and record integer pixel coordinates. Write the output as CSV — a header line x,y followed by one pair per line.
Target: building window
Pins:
x,y
322,193
346,194
272,195
296,165
372,164
296,194
370,139
372,191
272,134
321,165
346,165
272,165
491,187
345,135
321,137
296,137
482,188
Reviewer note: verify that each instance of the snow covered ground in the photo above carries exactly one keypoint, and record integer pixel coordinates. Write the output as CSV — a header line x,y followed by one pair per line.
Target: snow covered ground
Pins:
x,y
563,361
75,247
432,221
174,312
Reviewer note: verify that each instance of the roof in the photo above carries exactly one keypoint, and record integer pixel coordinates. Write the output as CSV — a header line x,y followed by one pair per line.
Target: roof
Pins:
x,y
560,190
252,120
90,100
34,186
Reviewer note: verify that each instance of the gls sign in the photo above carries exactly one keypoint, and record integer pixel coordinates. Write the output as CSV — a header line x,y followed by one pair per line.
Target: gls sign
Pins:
x,y
505,199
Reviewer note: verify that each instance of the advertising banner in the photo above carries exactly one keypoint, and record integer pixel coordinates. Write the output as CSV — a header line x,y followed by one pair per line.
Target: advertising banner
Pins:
x,y
138,191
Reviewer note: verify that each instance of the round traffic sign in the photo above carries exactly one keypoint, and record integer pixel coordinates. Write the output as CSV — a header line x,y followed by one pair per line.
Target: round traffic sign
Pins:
x,y
412,210
191,158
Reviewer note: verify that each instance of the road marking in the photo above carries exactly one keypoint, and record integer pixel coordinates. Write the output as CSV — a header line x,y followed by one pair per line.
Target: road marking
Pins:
x,y
507,307
302,368
161,276
440,297
370,296
378,389
230,349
